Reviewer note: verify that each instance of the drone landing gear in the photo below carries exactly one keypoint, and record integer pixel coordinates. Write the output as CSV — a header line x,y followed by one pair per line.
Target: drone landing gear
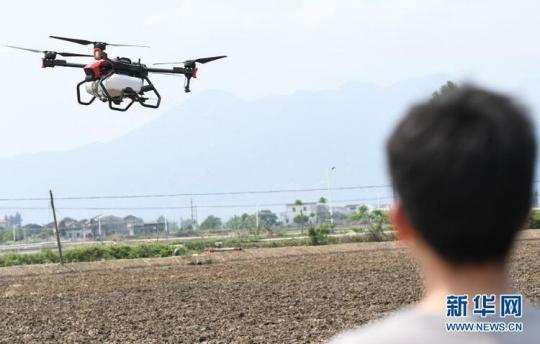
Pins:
x,y
118,101
115,100
128,93
131,94
79,99
147,88
187,84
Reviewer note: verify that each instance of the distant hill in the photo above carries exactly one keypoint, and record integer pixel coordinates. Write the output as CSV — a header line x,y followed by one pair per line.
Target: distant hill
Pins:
x,y
218,142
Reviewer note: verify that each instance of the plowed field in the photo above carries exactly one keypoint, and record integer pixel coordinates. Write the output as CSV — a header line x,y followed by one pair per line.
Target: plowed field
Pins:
x,y
282,295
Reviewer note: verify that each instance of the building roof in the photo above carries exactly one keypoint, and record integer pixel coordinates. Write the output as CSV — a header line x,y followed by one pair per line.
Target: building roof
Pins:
x,y
303,203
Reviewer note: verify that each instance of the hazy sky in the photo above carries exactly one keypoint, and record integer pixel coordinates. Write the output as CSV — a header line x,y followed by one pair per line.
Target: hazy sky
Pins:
x,y
274,47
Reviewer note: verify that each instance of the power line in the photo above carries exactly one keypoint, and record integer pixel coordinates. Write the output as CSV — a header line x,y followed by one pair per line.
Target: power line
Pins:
x,y
228,193
209,206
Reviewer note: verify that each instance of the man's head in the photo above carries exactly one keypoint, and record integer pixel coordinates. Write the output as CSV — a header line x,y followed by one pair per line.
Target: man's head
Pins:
x,y
462,165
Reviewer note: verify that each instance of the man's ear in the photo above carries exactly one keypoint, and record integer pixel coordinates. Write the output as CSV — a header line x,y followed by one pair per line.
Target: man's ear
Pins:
x,y
401,222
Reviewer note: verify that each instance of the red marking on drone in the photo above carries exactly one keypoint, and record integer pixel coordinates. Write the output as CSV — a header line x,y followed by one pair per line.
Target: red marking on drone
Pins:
x,y
95,68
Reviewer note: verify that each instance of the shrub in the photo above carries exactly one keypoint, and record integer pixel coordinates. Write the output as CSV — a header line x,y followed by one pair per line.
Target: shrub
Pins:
x,y
318,236
375,232
93,253
116,238
533,221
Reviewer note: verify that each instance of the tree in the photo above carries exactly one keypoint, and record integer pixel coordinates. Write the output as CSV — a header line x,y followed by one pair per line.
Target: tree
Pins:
x,y
379,216
311,217
323,213
5,235
249,221
8,233
298,202
46,233
245,221
361,215
323,200
233,222
187,224
377,219
211,222
13,220
301,220
267,219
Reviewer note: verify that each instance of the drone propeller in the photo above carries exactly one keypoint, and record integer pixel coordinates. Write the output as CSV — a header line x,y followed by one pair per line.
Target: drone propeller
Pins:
x,y
50,52
192,62
96,44
191,68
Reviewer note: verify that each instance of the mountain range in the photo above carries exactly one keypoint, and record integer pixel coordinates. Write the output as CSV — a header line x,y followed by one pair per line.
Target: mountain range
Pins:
x,y
218,142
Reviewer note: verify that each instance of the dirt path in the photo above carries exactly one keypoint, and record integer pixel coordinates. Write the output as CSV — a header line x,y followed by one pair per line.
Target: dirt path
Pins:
x,y
284,295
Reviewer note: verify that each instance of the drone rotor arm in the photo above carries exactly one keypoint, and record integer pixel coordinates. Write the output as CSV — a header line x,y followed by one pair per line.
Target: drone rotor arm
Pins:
x,y
74,55
174,70
168,63
61,63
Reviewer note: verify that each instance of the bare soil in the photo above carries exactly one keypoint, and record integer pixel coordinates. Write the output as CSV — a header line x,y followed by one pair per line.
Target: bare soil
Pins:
x,y
282,295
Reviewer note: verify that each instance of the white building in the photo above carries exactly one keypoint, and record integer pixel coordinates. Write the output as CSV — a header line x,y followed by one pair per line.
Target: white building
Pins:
x,y
313,210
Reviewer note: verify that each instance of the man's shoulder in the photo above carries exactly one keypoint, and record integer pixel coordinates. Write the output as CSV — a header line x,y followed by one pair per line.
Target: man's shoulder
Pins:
x,y
393,328
412,326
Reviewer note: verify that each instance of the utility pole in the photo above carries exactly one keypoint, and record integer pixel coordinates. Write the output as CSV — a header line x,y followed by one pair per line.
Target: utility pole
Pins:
x,y
99,228
56,228
196,217
257,217
193,214
98,217
329,197
166,228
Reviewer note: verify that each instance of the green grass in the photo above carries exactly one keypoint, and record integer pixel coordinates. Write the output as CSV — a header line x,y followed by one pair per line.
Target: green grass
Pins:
x,y
156,250
92,253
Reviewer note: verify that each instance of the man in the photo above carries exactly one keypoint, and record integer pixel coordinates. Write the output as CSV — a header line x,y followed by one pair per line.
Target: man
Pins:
x,y
462,165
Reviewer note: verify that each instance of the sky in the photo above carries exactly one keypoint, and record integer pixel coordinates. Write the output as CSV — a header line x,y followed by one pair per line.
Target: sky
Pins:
x,y
274,47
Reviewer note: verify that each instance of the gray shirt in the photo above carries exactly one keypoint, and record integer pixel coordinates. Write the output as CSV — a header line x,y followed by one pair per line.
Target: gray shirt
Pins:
x,y
411,325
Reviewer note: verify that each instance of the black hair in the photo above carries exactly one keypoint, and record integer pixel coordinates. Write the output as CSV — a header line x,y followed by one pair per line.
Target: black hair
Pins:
x,y
462,165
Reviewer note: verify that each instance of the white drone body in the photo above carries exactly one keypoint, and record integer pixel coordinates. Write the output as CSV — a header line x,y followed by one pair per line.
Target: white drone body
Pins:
x,y
116,85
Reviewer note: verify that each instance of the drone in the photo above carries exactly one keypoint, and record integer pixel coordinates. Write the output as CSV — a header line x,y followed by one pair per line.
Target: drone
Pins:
x,y
118,79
